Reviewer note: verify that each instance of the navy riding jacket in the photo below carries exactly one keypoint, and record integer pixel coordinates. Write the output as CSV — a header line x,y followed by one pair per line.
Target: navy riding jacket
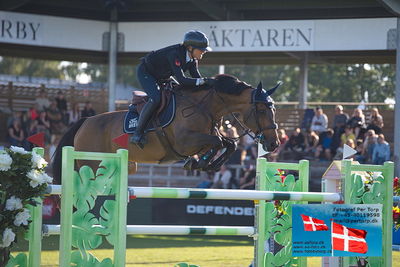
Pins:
x,y
171,61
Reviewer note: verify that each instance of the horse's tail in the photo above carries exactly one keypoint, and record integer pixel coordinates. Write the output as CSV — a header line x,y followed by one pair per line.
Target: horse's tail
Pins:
x,y
66,140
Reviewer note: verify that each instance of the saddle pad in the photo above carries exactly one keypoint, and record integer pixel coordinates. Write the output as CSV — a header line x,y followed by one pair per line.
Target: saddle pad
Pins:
x,y
165,117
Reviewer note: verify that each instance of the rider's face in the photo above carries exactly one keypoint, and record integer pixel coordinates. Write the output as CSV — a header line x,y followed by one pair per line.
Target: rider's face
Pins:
x,y
198,54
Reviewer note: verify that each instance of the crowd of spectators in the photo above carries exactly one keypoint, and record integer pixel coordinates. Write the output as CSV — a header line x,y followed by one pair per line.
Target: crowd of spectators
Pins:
x,y
320,142
48,115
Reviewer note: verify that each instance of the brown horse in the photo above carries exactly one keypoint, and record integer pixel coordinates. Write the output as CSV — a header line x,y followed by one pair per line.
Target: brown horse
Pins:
x,y
198,111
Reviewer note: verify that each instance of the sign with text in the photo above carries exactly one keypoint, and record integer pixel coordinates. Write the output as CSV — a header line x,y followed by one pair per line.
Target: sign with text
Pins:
x,y
24,29
337,230
203,212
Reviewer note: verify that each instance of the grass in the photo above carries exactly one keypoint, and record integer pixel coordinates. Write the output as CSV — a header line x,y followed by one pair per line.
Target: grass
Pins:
x,y
166,251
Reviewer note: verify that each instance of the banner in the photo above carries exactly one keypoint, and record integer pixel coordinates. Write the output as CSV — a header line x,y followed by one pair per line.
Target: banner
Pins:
x,y
337,230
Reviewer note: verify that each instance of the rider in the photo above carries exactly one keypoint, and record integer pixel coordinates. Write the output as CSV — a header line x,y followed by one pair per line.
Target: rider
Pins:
x,y
170,61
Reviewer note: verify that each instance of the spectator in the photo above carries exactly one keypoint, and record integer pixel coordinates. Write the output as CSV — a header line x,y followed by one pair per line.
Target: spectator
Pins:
x,y
16,115
370,141
311,142
375,121
296,141
325,146
381,151
62,106
251,153
247,141
42,100
32,129
339,124
55,139
222,178
347,135
74,114
283,138
34,112
16,134
56,119
319,122
207,179
357,122
247,177
360,149
43,125
88,111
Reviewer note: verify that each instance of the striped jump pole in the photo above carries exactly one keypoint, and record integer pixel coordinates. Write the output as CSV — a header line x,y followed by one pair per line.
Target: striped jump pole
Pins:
x,y
226,194
171,230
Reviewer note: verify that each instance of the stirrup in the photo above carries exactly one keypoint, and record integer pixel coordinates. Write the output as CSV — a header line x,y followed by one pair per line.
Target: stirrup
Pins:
x,y
139,140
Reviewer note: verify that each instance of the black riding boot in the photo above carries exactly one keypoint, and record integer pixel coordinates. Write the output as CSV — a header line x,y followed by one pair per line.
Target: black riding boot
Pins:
x,y
137,137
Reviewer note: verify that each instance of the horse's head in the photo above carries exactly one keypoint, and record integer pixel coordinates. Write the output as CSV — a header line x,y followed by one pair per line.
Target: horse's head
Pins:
x,y
260,117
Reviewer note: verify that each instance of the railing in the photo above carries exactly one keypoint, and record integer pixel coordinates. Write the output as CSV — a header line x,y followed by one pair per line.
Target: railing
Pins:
x,y
21,97
168,174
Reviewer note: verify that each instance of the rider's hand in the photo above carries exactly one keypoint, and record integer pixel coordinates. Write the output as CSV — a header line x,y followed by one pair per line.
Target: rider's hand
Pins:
x,y
209,81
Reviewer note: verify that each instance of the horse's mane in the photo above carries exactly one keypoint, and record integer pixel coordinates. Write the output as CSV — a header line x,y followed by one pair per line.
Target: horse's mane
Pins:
x,y
225,83
229,84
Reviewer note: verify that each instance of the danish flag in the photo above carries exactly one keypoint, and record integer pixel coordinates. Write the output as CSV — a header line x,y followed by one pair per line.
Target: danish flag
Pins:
x,y
348,239
312,224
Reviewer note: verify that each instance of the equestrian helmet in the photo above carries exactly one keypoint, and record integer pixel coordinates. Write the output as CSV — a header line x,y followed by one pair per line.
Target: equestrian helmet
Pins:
x,y
196,39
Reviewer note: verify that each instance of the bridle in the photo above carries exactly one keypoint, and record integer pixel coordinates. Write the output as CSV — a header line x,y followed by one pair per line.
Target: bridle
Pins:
x,y
258,136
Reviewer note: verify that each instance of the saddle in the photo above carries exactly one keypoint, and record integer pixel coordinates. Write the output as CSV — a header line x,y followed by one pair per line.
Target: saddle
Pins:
x,y
164,115
140,98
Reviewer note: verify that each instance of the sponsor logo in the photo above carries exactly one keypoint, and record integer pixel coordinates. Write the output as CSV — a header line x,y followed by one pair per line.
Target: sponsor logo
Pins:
x,y
220,210
133,123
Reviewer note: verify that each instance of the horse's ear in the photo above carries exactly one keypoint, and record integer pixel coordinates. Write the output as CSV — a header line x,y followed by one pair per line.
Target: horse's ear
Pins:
x,y
272,90
259,87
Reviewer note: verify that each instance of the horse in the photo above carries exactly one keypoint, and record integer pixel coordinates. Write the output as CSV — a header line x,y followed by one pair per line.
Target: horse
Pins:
x,y
193,131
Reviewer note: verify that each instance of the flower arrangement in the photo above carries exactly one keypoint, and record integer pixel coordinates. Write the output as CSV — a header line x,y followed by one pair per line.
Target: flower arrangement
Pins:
x,y
22,178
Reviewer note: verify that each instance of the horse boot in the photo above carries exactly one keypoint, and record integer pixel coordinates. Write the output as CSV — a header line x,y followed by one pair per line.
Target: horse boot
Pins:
x,y
138,136
205,159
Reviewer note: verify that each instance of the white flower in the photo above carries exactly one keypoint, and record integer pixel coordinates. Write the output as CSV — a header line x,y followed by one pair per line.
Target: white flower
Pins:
x,y
38,161
22,218
36,178
5,162
46,178
18,149
13,203
8,238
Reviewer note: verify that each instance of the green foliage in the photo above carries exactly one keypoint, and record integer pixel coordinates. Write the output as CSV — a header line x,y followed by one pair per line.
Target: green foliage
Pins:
x,y
326,82
20,260
83,232
90,261
30,67
88,230
279,219
107,213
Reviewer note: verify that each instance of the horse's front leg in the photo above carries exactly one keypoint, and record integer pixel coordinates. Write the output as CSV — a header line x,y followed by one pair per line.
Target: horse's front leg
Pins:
x,y
230,146
198,143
